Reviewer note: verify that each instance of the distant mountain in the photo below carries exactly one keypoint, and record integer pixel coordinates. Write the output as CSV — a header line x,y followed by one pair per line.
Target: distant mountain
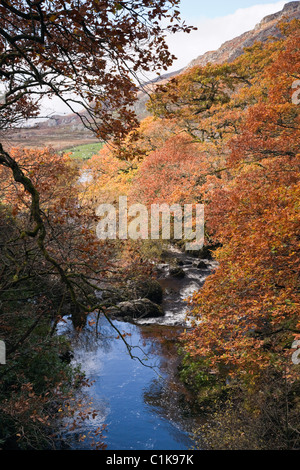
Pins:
x,y
229,51
232,49
63,131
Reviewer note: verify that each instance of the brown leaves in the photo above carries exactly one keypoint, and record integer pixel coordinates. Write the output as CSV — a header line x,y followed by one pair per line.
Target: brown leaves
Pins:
x,y
247,313
93,49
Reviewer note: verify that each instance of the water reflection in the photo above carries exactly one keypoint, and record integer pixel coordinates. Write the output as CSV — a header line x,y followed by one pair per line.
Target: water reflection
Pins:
x,y
142,401
136,401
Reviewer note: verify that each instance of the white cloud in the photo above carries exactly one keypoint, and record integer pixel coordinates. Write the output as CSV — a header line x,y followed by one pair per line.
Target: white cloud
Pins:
x,y
55,105
212,33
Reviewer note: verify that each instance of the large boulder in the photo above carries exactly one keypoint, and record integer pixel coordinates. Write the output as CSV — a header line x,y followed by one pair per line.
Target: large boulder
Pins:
x,y
150,289
177,272
206,252
137,309
137,289
201,265
114,295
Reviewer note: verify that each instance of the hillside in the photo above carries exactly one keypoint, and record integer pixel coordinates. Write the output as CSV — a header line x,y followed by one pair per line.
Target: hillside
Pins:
x,y
65,131
232,49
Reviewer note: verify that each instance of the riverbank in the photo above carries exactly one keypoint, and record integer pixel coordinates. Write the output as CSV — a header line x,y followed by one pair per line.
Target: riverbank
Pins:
x,y
142,401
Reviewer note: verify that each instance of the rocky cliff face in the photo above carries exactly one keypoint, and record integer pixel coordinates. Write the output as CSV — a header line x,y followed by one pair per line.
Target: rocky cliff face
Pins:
x,y
232,49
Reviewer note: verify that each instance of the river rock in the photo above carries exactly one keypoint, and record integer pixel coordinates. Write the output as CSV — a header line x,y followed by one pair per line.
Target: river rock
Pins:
x,y
201,265
206,251
114,295
177,272
137,309
149,289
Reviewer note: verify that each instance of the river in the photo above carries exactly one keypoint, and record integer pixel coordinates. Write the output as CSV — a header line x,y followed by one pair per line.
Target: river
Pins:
x,y
141,401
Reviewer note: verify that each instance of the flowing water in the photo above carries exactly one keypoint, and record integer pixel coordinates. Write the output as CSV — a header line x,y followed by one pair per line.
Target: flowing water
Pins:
x,y
141,401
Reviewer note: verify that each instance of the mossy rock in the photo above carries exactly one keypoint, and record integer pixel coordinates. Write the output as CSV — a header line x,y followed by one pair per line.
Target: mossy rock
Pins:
x,y
201,265
144,288
114,295
150,289
205,253
137,309
177,272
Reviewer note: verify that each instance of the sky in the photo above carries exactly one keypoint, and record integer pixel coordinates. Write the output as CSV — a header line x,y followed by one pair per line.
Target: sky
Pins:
x,y
217,8
217,21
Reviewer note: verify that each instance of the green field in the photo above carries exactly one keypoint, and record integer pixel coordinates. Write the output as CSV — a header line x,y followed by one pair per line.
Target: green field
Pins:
x,y
84,152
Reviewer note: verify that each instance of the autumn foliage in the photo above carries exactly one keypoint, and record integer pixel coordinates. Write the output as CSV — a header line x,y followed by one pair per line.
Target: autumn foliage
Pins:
x,y
247,314
235,147
226,136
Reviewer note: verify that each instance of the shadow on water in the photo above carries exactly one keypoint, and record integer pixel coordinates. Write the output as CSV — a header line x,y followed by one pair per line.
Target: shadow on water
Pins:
x,y
142,402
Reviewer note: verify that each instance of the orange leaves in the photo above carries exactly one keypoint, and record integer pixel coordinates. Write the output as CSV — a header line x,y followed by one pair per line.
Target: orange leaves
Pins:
x,y
51,175
247,313
70,238
110,177
170,174
203,101
273,123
